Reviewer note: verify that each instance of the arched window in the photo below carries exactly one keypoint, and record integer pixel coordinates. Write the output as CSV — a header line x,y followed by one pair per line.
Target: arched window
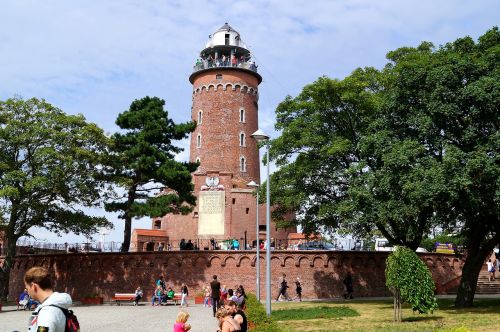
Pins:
x,y
243,164
200,117
242,139
198,141
242,115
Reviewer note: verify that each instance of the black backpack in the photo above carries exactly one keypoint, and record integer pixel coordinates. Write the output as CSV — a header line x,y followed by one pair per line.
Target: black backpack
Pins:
x,y
72,324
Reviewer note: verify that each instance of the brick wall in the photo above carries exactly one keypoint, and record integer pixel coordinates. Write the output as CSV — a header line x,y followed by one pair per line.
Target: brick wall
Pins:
x,y
321,272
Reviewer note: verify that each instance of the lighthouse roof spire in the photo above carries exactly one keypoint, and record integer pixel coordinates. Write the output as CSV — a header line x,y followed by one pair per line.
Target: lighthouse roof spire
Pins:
x,y
226,35
225,49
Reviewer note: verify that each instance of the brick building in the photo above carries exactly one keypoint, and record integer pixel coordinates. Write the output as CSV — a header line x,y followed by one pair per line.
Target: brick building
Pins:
x,y
225,106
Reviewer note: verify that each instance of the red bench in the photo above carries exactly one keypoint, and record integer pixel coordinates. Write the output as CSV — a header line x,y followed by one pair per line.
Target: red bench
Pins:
x,y
177,298
123,297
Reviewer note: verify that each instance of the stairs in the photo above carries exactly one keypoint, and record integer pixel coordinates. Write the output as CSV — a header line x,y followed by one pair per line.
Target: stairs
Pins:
x,y
488,287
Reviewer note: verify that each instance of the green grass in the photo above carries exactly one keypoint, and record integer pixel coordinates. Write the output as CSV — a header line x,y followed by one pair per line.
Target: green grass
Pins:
x,y
322,312
377,315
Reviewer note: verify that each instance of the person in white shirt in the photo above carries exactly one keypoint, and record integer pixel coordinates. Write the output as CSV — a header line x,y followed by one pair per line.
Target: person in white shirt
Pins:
x,y
47,317
491,269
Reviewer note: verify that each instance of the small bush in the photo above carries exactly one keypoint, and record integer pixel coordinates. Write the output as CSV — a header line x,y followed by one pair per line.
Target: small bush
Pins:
x,y
257,317
410,280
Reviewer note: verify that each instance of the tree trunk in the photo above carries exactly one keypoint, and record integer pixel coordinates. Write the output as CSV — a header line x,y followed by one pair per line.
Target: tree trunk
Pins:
x,y
128,218
397,306
126,234
474,260
6,267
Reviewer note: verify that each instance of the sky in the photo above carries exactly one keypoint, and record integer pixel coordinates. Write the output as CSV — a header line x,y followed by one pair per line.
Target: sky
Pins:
x,y
94,57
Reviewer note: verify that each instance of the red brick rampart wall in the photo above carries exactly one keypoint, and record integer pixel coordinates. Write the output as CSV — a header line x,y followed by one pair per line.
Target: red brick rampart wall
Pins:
x,y
320,272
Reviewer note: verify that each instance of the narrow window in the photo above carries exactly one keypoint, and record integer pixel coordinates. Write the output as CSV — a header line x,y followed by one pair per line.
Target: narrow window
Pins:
x,y
243,164
247,210
234,200
242,115
227,38
242,139
157,224
198,141
200,117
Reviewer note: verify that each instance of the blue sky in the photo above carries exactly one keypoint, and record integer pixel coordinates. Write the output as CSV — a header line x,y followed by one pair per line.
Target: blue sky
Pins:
x,y
95,57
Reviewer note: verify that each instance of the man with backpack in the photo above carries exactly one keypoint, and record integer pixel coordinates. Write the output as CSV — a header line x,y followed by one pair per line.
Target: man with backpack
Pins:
x,y
52,315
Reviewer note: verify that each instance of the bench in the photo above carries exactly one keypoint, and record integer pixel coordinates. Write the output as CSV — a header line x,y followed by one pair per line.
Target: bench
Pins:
x,y
177,298
123,297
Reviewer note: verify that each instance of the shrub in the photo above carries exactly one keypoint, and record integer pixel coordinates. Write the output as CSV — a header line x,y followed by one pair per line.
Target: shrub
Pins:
x,y
410,281
257,317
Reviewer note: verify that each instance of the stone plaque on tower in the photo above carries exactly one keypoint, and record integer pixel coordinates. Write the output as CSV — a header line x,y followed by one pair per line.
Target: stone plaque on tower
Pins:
x,y
211,213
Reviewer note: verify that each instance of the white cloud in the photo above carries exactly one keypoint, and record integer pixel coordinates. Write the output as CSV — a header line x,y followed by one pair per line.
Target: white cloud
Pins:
x,y
95,57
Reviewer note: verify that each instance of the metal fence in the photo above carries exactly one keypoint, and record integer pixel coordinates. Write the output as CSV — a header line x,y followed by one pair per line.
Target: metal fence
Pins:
x,y
27,247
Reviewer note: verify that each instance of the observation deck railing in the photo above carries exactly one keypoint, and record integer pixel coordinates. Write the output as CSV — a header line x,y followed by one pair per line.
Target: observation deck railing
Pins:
x,y
249,65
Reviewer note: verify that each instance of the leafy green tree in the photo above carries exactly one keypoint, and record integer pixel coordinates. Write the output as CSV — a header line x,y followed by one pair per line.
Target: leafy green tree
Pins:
x,y
410,280
49,167
447,101
142,164
334,178
411,147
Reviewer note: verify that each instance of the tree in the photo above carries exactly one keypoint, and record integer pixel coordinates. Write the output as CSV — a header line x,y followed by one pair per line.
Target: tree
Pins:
x,y
49,167
332,177
402,150
447,100
142,164
410,280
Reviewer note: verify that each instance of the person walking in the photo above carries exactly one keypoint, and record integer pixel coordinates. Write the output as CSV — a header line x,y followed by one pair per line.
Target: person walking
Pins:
x,y
184,295
348,286
298,289
491,270
283,289
215,287
49,315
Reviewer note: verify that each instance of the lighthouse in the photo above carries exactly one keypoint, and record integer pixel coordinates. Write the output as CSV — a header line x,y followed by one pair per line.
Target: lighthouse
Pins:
x,y
225,82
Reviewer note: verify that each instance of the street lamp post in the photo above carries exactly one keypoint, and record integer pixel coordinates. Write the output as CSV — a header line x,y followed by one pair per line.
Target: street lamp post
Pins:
x,y
252,184
260,136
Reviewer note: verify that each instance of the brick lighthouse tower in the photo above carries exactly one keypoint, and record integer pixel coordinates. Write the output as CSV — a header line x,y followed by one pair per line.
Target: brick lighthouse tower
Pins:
x,y
225,107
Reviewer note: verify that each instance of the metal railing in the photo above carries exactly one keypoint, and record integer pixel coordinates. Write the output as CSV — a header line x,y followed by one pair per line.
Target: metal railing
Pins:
x,y
28,247
205,64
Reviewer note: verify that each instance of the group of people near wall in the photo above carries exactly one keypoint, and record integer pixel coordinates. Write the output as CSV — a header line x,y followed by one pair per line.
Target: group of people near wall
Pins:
x,y
283,290
162,294
227,307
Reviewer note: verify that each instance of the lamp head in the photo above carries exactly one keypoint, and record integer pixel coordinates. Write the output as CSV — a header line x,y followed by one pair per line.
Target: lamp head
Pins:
x,y
259,136
252,184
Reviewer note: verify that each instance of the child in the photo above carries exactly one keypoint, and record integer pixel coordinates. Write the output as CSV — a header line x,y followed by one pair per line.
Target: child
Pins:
x,y
206,302
180,323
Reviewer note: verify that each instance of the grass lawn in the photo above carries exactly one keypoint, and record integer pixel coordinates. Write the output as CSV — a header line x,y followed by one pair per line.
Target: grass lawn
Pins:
x,y
378,316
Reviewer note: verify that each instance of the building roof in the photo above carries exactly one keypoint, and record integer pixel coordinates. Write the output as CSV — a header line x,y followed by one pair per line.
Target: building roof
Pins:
x,y
150,232
227,27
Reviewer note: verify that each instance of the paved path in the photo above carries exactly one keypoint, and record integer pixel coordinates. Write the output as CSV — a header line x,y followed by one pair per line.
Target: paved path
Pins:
x,y
120,318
